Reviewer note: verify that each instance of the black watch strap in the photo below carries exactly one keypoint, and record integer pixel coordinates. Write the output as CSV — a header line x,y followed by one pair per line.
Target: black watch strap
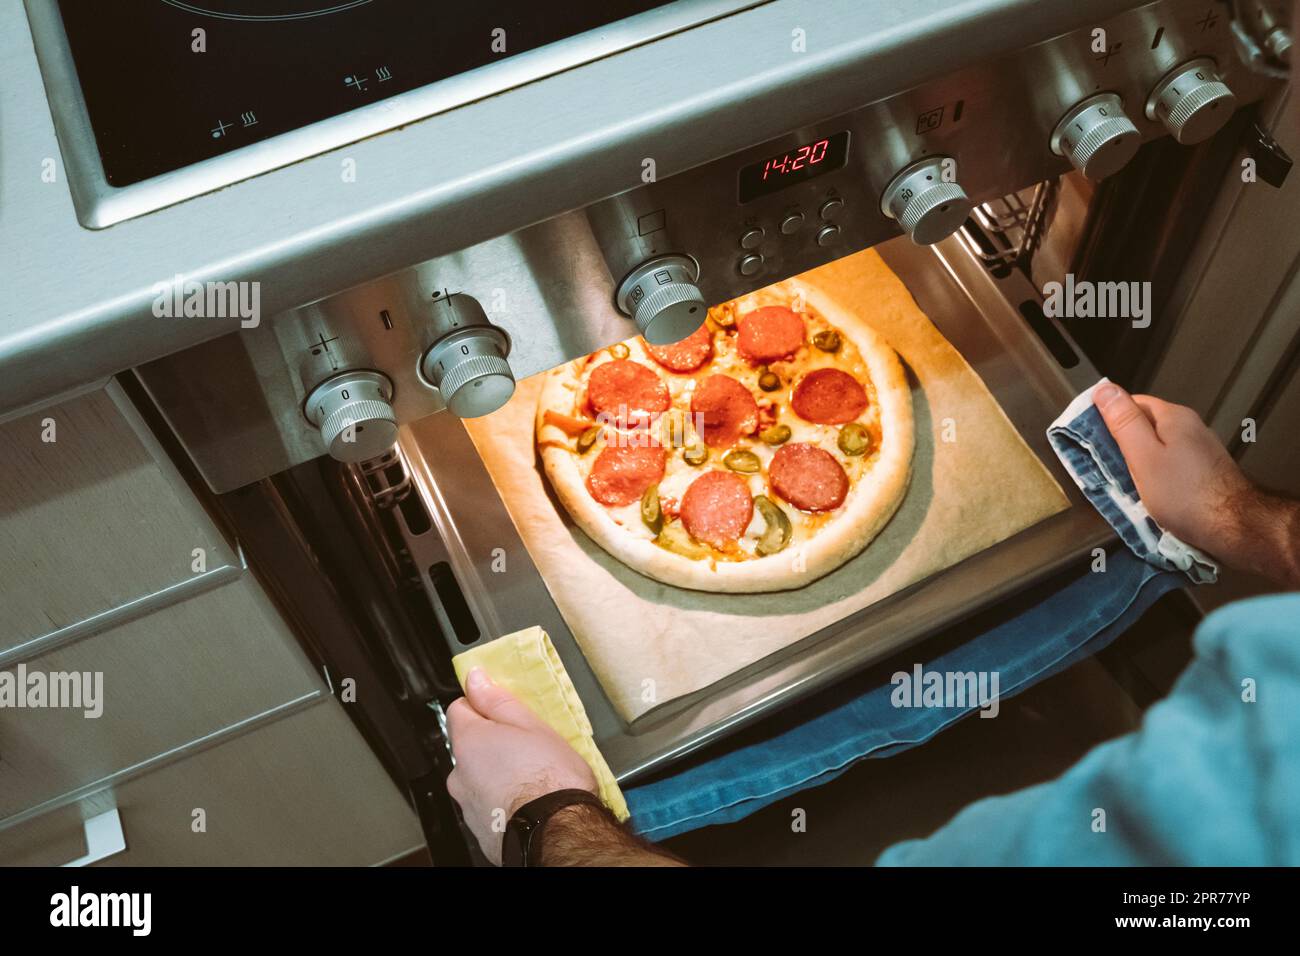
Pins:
x,y
521,842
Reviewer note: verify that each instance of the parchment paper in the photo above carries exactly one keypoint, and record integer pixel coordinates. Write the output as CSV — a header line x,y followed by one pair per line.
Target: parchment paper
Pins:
x,y
966,494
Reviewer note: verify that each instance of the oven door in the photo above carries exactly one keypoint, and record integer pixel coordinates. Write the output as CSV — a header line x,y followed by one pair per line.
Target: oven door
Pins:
x,y
1030,367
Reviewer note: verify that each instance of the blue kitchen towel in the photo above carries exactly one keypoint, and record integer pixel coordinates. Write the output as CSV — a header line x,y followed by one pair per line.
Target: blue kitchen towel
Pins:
x,y
1089,453
1039,635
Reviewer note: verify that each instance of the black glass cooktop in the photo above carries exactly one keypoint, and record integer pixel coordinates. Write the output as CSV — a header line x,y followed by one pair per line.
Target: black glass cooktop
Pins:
x,y
162,96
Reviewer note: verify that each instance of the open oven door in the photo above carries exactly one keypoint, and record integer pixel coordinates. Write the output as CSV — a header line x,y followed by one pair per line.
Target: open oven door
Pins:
x,y
480,578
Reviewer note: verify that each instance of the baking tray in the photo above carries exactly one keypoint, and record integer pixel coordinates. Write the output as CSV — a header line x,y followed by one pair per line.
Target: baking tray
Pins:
x,y
502,590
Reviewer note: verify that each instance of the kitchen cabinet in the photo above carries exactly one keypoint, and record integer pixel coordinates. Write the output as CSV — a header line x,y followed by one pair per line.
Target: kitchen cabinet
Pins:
x,y
170,680
96,525
305,790
117,583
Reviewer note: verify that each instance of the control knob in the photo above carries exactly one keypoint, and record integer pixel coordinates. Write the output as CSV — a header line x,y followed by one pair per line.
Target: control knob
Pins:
x,y
926,202
354,415
1192,102
1097,136
467,361
662,298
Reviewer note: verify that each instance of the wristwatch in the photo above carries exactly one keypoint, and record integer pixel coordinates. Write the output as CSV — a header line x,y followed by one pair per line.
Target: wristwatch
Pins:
x,y
521,843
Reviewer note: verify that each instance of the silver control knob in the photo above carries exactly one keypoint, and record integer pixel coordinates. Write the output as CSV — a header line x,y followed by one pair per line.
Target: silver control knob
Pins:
x,y
662,298
467,361
353,414
926,202
1279,43
1192,102
1097,136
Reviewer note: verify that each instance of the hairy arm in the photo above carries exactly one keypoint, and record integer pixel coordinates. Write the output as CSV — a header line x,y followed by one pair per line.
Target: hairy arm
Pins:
x,y
1267,538
584,835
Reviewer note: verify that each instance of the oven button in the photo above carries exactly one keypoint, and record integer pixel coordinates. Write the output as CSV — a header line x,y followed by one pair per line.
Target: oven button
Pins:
x,y
751,265
828,235
1192,102
831,208
1096,136
467,361
792,223
353,414
661,296
924,200
752,238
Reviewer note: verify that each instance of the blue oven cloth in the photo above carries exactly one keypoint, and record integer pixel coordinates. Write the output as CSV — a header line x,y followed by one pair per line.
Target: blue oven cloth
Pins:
x,y
1089,453
1038,636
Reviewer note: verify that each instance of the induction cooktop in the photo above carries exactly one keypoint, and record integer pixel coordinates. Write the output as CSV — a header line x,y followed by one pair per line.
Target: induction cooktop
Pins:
x,y
161,100
169,83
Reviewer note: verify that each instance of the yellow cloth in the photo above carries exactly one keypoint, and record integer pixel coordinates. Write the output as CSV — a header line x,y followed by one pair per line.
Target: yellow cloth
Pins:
x,y
526,664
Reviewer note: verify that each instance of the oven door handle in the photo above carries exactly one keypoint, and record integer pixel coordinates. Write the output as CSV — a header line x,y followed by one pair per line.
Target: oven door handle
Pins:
x,y
104,838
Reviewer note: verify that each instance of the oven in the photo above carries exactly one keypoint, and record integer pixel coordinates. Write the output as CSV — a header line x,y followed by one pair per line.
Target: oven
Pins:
x,y
333,435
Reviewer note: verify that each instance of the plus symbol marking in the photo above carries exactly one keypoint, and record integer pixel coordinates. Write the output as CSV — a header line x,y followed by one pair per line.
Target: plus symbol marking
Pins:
x,y
1112,51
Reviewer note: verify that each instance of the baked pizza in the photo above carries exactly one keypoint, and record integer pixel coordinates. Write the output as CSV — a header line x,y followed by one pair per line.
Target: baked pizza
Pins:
x,y
757,454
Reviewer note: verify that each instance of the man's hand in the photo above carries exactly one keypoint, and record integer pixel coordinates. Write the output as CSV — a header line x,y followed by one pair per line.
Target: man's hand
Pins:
x,y
505,756
1186,478
1194,489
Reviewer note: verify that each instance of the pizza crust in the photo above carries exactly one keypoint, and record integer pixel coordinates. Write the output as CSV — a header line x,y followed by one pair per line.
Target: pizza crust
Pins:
x,y
871,501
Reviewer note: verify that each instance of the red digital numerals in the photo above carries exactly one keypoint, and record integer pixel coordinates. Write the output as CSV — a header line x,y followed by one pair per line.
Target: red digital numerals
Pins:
x,y
803,156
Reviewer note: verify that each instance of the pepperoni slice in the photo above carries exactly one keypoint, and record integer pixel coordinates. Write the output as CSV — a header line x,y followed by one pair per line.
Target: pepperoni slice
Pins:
x,y
717,508
626,392
808,477
769,334
727,408
829,397
622,473
687,355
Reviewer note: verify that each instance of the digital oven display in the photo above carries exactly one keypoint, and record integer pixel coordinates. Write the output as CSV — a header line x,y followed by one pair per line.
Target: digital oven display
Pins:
x,y
796,165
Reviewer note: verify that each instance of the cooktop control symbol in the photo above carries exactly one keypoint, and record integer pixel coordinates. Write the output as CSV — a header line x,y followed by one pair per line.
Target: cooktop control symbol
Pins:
x,y
1192,102
467,361
662,298
1097,136
354,415
925,200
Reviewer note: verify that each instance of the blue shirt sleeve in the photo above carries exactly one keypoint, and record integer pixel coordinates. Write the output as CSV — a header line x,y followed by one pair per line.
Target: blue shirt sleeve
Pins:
x,y
1212,777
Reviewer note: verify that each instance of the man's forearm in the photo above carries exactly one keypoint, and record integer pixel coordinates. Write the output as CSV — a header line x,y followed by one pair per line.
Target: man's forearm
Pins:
x,y
1289,542
1267,537
583,835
